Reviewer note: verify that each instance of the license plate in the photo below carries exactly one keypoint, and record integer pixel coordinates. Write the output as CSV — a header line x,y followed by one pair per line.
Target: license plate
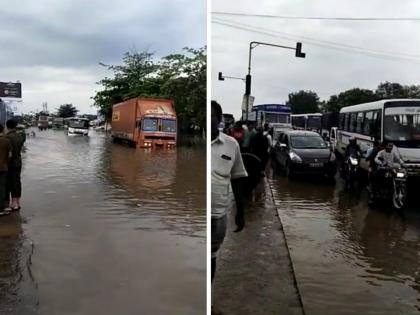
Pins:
x,y
316,164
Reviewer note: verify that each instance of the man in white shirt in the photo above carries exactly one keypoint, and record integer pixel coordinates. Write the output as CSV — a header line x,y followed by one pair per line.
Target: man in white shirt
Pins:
x,y
268,135
227,169
389,157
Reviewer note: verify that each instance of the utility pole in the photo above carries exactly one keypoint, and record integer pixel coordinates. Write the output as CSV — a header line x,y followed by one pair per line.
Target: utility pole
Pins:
x,y
252,45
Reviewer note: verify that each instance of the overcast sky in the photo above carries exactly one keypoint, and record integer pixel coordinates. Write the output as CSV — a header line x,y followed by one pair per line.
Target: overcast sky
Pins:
x,y
53,47
276,72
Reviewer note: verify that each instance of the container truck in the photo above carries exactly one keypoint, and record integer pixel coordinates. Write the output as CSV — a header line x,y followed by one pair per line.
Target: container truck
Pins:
x,y
145,122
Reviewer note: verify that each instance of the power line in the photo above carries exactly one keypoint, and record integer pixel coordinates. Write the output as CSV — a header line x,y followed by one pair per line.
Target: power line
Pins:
x,y
331,45
377,51
318,17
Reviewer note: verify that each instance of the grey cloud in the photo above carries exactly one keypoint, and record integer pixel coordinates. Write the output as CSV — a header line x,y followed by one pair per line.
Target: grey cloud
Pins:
x,y
326,71
79,34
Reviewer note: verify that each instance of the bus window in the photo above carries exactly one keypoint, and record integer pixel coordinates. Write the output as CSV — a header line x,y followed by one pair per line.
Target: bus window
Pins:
x,y
375,129
359,126
346,122
353,122
342,118
150,124
368,123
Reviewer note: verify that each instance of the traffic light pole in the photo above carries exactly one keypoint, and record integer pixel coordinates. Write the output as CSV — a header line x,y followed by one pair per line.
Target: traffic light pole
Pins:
x,y
252,45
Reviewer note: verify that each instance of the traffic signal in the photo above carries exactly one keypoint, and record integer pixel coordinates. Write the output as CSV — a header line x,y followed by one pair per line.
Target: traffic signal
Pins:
x,y
299,52
221,78
248,84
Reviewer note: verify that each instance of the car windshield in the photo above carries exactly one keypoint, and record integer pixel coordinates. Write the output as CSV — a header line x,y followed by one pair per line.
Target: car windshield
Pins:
x,y
168,125
150,124
307,142
78,123
402,124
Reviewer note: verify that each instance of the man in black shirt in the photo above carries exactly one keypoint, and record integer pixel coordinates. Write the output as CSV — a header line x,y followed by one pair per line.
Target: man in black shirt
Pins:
x,y
5,153
14,186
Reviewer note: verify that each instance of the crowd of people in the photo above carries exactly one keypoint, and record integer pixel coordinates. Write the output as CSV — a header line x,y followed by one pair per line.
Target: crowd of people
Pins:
x,y
254,140
11,144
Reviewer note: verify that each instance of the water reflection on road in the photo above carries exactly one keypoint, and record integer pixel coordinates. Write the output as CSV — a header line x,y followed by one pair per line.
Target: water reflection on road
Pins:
x,y
115,230
349,259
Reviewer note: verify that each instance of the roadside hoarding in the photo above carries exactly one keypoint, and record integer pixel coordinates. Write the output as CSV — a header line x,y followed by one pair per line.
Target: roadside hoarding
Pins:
x,y
11,89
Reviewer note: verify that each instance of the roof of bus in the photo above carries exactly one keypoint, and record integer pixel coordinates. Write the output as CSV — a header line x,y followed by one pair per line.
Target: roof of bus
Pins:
x,y
375,105
76,118
308,114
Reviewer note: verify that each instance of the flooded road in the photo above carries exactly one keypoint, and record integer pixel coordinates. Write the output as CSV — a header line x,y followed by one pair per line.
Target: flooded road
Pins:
x,y
105,229
349,259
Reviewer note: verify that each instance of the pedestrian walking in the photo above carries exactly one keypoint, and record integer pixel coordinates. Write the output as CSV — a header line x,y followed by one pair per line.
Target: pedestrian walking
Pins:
x,y
269,136
5,154
259,146
14,185
227,169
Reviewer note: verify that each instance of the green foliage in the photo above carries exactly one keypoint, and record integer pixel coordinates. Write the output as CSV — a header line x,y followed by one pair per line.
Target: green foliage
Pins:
x,y
303,102
347,98
181,77
386,90
389,90
66,110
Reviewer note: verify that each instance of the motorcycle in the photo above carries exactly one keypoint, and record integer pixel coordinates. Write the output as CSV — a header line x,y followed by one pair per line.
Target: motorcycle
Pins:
x,y
351,171
393,186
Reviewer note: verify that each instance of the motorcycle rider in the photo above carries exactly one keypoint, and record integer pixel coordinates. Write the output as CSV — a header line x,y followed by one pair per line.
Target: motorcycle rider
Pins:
x,y
352,150
388,157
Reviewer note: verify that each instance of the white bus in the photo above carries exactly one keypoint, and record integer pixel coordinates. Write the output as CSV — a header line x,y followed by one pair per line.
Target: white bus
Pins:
x,y
77,126
393,120
310,121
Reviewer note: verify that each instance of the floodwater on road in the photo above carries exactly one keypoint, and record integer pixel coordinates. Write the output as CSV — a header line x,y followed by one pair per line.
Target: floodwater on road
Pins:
x,y
348,258
105,229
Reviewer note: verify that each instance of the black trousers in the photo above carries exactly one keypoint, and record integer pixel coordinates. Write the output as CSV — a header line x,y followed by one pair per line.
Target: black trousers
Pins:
x,y
3,180
13,183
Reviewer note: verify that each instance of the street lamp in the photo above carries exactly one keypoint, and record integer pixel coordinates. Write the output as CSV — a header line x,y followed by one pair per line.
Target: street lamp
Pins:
x,y
252,45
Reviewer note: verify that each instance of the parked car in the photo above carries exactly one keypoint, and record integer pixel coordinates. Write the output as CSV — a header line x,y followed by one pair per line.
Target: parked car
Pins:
x,y
305,152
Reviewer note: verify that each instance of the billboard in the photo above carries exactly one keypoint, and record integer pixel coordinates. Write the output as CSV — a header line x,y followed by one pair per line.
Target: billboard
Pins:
x,y
273,108
10,89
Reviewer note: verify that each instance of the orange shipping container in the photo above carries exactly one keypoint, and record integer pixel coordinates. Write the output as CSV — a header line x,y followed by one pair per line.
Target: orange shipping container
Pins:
x,y
145,123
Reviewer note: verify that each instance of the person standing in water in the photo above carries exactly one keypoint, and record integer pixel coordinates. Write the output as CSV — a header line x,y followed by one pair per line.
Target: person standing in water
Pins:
x,y
14,185
5,154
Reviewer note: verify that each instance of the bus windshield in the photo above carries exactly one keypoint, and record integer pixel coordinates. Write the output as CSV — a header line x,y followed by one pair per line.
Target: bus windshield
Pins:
x,y
277,118
150,124
168,125
314,122
402,124
78,123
